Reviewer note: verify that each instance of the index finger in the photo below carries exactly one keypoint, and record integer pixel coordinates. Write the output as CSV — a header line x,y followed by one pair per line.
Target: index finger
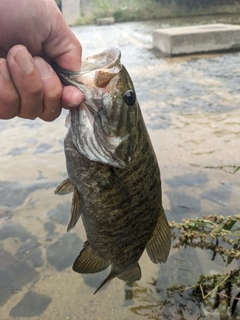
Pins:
x,y
62,45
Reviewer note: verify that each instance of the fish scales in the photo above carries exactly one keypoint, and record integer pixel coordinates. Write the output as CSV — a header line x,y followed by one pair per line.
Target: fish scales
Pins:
x,y
114,173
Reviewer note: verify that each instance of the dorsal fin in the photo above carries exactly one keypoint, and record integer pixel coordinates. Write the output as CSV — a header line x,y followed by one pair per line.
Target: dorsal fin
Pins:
x,y
159,245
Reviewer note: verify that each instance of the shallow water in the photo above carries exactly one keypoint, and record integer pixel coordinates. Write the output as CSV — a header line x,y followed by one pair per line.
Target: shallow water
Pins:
x,y
191,107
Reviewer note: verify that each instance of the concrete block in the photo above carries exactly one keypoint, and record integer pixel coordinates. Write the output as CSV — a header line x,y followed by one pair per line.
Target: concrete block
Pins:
x,y
196,39
71,11
105,21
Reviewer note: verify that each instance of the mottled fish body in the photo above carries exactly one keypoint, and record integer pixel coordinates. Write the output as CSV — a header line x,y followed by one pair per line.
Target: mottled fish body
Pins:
x,y
112,172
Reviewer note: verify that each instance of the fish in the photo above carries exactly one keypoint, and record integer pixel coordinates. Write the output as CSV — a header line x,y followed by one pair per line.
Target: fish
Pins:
x,y
113,172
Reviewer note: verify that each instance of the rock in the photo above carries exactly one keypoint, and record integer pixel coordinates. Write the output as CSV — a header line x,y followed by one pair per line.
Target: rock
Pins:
x,y
14,275
61,213
62,253
105,21
195,39
30,251
32,304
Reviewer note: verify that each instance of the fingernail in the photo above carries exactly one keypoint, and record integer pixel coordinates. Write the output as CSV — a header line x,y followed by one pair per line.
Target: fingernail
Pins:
x,y
43,67
4,71
24,60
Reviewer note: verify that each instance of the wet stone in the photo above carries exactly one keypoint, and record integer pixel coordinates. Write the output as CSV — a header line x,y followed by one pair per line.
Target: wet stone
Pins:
x,y
16,151
14,275
93,280
49,226
188,180
62,253
182,205
3,125
10,229
12,194
158,123
30,251
61,213
105,21
32,304
43,148
218,195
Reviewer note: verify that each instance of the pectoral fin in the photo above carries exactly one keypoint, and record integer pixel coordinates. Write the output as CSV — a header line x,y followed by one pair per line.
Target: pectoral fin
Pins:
x,y
89,261
159,245
64,187
75,210
132,274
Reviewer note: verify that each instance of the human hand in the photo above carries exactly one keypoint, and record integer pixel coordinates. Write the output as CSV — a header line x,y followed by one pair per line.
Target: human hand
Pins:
x,y
33,33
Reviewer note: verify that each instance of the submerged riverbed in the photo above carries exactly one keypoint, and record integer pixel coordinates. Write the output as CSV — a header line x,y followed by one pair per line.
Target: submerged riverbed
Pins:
x,y
191,106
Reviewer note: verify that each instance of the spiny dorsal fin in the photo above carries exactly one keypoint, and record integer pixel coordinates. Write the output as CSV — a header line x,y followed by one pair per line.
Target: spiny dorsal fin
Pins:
x,y
159,245
64,187
75,210
89,261
132,274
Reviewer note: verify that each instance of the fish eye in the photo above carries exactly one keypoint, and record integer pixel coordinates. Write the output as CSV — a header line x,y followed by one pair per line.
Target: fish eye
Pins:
x,y
129,97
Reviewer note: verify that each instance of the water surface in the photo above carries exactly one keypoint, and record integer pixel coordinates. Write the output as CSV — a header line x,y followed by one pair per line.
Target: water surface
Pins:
x,y
191,108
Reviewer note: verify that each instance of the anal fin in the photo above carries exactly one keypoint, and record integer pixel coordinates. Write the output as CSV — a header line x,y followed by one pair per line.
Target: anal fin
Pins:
x,y
159,245
64,187
132,274
89,261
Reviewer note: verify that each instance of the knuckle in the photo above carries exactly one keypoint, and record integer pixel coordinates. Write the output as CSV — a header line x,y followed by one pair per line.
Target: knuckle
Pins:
x,y
50,116
54,94
9,105
34,89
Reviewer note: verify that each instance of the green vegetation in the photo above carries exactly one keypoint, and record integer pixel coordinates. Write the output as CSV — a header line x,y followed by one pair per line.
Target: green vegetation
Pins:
x,y
132,10
221,235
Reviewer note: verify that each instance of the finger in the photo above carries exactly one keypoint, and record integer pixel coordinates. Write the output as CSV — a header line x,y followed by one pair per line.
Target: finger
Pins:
x,y
9,98
71,97
52,90
27,81
61,44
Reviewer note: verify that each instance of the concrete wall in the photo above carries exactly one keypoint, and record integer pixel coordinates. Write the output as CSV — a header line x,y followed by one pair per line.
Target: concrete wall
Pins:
x,y
194,39
71,10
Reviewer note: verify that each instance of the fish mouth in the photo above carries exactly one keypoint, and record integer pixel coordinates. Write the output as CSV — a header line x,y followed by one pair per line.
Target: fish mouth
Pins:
x,y
105,60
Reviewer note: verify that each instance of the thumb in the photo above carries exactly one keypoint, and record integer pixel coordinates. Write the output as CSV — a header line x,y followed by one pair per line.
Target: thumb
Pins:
x,y
62,45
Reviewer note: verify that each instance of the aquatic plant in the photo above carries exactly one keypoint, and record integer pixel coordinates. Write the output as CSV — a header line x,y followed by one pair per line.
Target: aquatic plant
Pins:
x,y
221,235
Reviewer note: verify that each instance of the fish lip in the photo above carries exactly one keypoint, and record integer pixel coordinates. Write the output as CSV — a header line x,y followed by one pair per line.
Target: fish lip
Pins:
x,y
116,52
65,72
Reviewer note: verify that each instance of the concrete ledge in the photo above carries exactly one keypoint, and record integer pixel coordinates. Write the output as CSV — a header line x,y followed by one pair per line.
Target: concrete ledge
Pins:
x,y
105,21
196,39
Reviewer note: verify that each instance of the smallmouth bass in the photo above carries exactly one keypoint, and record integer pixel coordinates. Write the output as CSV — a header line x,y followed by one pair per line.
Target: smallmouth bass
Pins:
x,y
112,172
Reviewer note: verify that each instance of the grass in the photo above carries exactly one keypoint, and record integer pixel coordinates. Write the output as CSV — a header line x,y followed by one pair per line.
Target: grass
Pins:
x,y
138,10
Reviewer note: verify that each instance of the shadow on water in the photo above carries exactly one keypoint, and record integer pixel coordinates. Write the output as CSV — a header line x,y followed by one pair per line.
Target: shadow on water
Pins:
x,y
191,107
